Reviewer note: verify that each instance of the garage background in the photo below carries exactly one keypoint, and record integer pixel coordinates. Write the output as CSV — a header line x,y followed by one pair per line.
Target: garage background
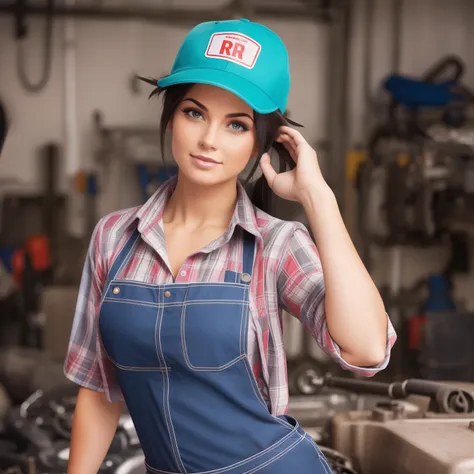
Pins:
x,y
337,70
79,123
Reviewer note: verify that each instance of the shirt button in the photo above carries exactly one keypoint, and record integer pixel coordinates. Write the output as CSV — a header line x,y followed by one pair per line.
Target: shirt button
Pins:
x,y
116,290
167,294
183,273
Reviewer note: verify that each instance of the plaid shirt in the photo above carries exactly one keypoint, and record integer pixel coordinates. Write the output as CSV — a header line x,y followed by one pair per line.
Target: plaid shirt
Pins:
x,y
287,275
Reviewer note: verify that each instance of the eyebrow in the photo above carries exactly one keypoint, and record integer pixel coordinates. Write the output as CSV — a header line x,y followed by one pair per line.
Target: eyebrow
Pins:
x,y
232,115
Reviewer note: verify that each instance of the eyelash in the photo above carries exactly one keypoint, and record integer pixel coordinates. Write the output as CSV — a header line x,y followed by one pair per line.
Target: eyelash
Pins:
x,y
244,127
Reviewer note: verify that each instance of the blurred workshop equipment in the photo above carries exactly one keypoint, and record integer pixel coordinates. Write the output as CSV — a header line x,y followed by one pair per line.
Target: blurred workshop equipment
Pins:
x,y
59,304
150,176
36,436
410,431
21,37
138,152
415,181
23,370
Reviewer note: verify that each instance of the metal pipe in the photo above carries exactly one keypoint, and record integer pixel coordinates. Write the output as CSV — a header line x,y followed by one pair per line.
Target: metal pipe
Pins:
x,y
397,35
75,201
338,110
368,41
368,32
172,15
70,103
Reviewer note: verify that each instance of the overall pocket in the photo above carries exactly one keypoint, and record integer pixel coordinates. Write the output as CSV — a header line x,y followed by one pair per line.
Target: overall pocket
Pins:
x,y
213,329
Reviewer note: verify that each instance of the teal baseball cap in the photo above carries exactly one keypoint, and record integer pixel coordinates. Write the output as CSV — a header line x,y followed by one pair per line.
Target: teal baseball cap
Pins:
x,y
243,57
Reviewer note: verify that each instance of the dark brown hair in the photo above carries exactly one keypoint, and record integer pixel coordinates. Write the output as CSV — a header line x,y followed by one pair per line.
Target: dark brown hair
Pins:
x,y
266,127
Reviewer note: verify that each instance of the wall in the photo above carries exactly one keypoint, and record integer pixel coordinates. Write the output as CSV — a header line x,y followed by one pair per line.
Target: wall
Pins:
x,y
108,53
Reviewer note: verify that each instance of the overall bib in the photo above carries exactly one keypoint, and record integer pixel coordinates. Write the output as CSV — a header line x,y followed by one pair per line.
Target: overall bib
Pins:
x,y
180,354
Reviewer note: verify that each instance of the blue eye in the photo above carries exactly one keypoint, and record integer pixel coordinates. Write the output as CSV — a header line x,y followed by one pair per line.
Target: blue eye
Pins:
x,y
238,127
194,114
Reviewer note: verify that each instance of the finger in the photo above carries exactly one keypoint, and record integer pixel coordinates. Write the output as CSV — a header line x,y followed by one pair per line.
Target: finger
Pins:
x,y
290,148
291,151
285,138
267,169
294,134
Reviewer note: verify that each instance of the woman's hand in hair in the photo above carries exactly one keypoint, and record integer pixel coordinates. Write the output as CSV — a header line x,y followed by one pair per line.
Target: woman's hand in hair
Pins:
x,y
305,178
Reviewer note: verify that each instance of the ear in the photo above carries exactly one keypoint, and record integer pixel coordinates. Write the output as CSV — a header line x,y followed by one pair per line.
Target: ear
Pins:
x,y
169,127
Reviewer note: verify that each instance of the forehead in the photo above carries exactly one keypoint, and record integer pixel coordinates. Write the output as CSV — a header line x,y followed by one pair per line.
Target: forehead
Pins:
x,y
217,98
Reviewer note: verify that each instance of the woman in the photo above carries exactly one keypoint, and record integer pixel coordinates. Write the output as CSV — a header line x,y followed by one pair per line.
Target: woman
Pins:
x,y
180,302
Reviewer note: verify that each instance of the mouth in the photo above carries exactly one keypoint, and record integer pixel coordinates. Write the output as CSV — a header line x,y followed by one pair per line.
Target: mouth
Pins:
x,y
205,159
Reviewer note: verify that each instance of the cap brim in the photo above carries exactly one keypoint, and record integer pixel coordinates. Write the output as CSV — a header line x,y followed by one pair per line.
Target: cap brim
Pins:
x,y
252,95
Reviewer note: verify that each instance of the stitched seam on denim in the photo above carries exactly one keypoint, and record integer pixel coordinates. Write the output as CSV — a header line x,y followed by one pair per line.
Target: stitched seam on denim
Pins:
x,y
174,441
139,302
116,273
322,458
242,315
257,393
166,408
135,369
253,382
275,458
128,301
131,368
185,350
138,283
238,464
219,301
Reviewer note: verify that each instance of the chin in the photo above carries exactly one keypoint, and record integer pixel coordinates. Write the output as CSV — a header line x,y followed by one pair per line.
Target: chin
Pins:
x,y
203,177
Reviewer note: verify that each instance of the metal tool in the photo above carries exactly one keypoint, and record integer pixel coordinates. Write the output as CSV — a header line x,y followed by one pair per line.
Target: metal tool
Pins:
x,y
444,398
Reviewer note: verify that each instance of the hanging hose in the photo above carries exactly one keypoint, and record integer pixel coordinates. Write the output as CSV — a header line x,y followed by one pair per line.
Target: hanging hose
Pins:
x,y
48,46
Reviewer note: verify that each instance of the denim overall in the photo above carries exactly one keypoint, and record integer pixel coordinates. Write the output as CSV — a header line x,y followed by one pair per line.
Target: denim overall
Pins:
x,y
180,354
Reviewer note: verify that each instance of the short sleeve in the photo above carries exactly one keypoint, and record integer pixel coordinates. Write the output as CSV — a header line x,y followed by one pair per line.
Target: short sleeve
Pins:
x,y
301,292
85,363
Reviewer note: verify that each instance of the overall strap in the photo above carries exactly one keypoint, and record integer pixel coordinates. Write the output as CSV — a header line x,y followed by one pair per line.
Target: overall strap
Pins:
x,y
124,256
248,253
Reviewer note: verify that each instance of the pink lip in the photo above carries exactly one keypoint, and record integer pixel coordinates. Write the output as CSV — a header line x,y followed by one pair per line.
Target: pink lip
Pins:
x,y
205,158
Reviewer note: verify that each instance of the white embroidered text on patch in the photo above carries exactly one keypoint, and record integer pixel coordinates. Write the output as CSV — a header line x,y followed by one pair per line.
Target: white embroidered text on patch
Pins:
x,y
234,47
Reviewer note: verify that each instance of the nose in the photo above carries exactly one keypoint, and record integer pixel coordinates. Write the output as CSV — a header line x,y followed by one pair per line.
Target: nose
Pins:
x,y
208,139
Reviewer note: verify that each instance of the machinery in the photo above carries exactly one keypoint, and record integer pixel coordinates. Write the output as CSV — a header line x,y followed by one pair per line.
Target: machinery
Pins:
x,y
416,426
418,180
362,427
35,437
417,191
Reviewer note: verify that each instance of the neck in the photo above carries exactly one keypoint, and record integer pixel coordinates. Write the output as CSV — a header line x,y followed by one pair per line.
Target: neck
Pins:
x,y
194,205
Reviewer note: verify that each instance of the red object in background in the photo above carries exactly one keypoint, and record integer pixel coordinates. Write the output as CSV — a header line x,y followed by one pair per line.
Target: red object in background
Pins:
x,y
18,263
38,249
415,329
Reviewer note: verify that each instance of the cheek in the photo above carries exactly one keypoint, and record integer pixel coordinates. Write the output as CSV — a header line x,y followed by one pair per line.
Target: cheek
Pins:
x,y
180,136
241,150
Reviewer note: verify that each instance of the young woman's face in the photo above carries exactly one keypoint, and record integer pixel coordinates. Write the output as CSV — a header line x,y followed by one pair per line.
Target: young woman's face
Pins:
x,y
213,135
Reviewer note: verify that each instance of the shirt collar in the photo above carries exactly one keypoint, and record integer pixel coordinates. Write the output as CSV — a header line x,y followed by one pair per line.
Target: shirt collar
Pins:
x,y
151,213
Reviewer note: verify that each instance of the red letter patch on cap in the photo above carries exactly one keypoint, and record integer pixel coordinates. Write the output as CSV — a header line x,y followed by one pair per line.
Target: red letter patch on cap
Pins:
x,y
234,47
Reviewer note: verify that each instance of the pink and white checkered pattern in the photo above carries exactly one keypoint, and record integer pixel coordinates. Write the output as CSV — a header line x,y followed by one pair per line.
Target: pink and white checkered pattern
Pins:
x,y
287,275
